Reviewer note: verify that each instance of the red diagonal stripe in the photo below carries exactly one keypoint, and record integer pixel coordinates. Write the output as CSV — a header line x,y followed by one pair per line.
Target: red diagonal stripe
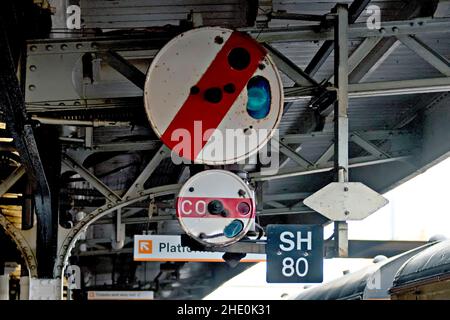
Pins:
x,y
197,110
230,204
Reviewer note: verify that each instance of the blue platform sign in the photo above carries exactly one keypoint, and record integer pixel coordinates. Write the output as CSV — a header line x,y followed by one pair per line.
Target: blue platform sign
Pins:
x,y
294,253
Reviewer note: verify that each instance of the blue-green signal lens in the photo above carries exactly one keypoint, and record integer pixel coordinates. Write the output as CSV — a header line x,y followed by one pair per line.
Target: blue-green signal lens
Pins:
x,y
258,92
233,229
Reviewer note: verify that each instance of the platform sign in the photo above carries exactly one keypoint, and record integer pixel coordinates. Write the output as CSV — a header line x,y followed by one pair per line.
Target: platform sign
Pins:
x,y
168,248
294,254
120,295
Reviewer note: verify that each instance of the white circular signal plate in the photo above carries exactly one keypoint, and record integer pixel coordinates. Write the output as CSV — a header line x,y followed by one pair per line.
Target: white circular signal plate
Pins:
x,y
213,96
216,207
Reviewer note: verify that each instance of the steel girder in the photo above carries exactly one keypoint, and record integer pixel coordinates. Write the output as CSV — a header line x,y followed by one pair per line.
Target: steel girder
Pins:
x,y
12,101
69,241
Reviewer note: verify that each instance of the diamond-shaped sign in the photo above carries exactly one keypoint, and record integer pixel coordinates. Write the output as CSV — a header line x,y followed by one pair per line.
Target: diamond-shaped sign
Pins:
x,y
341,201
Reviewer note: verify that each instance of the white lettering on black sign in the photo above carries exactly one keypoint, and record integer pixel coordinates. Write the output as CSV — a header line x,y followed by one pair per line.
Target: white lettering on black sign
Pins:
x,y
290,241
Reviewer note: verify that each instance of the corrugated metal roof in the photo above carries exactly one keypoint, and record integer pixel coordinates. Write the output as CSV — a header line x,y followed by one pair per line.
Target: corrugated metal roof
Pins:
x,y
118,14
389,9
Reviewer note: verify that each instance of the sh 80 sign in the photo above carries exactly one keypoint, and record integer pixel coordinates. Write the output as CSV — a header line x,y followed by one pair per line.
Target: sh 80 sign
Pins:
x,y
294,253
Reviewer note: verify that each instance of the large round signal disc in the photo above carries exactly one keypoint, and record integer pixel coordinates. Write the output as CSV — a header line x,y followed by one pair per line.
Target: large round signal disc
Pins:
x,y
213,96
216,208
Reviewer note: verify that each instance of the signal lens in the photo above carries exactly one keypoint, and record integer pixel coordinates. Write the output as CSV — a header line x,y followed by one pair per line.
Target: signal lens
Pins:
x,y
233,229
259,98
243,208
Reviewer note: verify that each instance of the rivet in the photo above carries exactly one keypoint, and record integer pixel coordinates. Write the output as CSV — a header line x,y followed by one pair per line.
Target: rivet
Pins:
x,y
33,48
49,47
79,45
32,87
63,46
33,68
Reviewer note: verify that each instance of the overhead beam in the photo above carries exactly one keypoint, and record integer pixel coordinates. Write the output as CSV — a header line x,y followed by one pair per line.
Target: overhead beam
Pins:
x,y
326,156
423,103
285,211
355,31
386,88
286,161
368,146
372,61
387,45
354,11
289,68
286,150
325,107
11,180
426,53
126,146
320,57
399,87
138,185
275,204
124,67
286,196
281,15
300,171
360,53
367,134
91,178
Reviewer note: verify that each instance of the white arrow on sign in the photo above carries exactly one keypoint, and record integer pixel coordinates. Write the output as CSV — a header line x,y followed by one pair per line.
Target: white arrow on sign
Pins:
x,y
341,201
144,246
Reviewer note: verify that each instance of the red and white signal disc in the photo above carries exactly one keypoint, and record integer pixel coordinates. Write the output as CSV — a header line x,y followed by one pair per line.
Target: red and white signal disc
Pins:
x,y
197,96
216,207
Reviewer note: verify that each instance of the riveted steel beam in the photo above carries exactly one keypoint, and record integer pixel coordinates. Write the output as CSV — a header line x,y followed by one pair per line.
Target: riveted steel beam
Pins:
x,y
90,177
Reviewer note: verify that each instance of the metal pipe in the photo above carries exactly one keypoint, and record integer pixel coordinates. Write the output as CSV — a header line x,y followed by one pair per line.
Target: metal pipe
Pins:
x,y
67,139
83,123
382,88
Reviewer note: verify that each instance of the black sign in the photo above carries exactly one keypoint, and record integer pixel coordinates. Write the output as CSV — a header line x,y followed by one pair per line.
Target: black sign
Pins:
x,y
294,253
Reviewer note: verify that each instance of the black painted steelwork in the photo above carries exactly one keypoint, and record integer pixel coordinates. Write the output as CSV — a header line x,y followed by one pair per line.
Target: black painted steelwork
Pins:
x,y
13,25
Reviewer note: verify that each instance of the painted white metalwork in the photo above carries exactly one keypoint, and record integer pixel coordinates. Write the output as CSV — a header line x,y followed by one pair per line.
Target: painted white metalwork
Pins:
x,y
206,226
70,239
341,201
180,65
